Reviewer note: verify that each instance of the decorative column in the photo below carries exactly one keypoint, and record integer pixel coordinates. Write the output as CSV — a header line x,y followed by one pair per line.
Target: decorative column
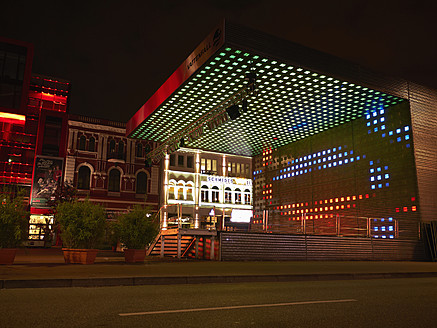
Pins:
x,y
165,200
197,191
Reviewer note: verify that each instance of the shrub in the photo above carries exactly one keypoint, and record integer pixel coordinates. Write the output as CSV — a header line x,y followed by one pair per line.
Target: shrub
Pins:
x,y
82,223
13,221
137,228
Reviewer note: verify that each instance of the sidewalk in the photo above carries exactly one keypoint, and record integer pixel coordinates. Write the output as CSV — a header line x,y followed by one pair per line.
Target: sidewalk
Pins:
x,y
45,268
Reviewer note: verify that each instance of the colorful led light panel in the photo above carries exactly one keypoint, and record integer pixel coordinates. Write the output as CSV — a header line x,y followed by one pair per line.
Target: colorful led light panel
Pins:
x,y
290,103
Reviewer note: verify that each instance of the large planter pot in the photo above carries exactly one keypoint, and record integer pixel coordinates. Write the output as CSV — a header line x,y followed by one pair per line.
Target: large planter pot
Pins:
x,y
134,255
7,255
79,256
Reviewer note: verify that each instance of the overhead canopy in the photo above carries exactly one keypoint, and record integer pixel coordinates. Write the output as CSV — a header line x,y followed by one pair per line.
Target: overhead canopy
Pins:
x,y
288,101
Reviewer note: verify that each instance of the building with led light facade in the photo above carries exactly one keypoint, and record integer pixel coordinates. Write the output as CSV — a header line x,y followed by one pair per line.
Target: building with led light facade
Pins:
x,y
343,159
33,117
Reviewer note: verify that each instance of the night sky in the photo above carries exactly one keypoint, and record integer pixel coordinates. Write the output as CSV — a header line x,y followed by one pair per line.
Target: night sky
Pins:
x,y
118,53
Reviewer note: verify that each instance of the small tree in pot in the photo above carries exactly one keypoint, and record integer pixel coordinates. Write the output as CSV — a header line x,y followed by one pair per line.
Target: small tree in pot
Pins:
x,y
136,229
13,225
82,225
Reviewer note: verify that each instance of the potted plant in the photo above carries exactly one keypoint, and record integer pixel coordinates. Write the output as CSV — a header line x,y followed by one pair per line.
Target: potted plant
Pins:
x,y
13,226
82,225
135,230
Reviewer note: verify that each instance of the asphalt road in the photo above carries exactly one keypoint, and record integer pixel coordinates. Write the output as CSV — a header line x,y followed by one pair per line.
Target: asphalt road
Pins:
x,y
359,303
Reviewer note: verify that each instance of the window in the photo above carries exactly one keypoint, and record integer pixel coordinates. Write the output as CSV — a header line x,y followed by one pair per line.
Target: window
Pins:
x,y
139,150
83,178
181,191
215,194
112,146
121,148
141,187
172,160
92,144
180,160
190,162
114,180
208,166
171,190
228,195
82,143
247,197
237,196
189,192
204,194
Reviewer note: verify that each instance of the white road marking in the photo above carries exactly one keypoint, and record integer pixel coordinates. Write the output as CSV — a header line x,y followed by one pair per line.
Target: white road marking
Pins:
x,y
235,307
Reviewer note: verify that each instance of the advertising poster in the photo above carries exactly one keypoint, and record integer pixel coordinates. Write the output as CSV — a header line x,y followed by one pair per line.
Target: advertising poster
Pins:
x,y
47,176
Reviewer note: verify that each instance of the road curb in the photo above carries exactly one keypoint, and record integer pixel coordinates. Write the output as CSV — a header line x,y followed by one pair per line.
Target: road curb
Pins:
x,y
178,280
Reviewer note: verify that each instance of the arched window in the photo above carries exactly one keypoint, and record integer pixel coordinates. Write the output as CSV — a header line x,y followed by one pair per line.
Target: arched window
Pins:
x,y
215,194
83,178
189,191
247,196
204,194
114,180
91,144
82,143
171,190
121,147
112,146
237,196
180,192
141,187
228,195
139,150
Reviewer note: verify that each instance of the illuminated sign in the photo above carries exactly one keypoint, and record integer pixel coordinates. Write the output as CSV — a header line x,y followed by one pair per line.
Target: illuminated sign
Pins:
x,y
227,180
241,216
47,177
12,118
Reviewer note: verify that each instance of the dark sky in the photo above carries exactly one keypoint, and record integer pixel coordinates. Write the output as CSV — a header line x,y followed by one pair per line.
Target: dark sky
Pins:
x,y
117,53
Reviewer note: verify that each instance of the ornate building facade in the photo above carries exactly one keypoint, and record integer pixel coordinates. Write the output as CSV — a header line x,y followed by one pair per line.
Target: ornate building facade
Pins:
x,y
109,168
